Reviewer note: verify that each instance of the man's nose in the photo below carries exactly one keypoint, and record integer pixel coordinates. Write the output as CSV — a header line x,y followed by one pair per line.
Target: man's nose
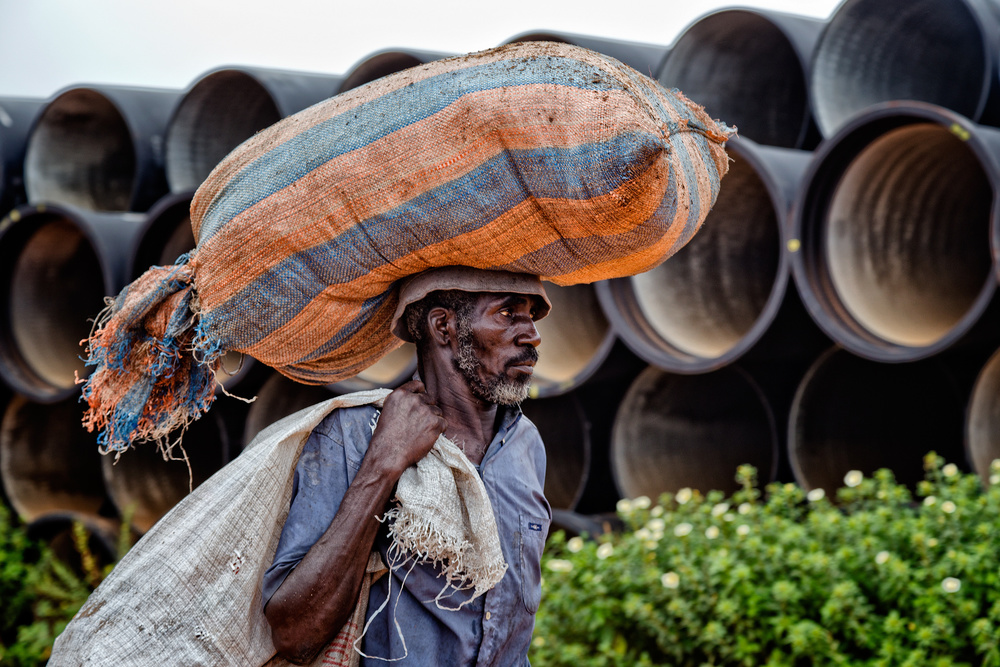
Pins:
x,y
529,335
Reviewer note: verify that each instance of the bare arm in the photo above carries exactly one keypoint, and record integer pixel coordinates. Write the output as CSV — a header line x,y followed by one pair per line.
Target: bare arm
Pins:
x,y
318,595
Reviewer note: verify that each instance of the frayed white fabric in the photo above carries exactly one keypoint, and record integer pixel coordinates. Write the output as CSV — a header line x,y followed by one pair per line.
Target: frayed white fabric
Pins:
x,y
188,593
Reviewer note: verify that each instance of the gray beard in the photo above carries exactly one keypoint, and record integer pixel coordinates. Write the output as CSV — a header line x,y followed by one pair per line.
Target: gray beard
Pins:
x,y
498,388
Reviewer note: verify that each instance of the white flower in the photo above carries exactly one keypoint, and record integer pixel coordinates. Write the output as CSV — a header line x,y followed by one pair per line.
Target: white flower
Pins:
x,y
538,641
929,501
882,557
642,534
720,509
656,535
712,532
950,470
745,508
682,529
605,550
656,511
881,494
650,545
624,506
816,495
995,465
743,530
729,516
559,565
994,479
641,503
575,544
670,580
656,525
683,496
853,478
948,507
932,542
951,585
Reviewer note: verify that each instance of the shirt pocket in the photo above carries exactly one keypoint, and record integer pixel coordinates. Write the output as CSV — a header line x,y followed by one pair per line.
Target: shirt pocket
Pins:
x,y
533,531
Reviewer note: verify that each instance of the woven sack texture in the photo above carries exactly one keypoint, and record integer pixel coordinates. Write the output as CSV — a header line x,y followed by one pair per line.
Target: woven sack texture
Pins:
x,y
188,593
535,157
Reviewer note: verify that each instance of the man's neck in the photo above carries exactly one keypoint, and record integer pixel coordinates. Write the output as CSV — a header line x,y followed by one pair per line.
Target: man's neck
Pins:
x,y
471,421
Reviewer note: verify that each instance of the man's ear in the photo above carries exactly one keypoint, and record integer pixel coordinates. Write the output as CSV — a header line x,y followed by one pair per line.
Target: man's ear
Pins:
x,y
441,325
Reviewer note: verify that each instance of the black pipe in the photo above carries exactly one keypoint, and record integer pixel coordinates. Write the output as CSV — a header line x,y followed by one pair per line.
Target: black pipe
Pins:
x,y
56,531
280,397
48,462
850,413
894,222
383,63
645,58
392,370
749,67
57,264
982,421
99,148
945,52
565,432
142,483
691,431
727,294
16,119
224,107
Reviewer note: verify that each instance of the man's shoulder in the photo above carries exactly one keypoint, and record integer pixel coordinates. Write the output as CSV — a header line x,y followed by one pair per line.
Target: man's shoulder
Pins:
x,y
349,421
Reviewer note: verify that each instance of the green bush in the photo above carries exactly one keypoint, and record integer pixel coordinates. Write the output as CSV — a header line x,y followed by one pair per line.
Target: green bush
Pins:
x,y
39,594
879,578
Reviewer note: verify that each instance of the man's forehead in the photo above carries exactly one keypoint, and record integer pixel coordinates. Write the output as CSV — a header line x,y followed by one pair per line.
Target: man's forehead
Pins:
x,y
507,298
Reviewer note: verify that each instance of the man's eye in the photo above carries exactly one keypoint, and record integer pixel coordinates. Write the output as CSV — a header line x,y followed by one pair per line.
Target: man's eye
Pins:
x,y
505,312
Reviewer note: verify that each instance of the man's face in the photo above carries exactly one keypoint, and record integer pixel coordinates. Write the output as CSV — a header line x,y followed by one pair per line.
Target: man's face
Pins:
x,y
496,347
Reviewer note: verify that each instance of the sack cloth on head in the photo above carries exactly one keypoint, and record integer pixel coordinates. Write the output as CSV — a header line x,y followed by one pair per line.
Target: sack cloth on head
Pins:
x,y
536,157
189,592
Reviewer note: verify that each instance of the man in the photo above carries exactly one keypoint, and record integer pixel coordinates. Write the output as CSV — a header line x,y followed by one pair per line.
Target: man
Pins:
x,y
476,345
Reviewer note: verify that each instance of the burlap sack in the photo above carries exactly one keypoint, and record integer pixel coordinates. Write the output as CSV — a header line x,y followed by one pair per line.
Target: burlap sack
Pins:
x,y
189,592
537,157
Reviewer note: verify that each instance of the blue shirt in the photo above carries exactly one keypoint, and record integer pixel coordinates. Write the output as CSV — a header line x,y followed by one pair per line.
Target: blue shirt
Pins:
x,y
494,629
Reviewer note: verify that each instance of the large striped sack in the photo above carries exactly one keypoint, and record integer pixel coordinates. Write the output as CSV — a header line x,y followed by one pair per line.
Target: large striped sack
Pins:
x,y
535,157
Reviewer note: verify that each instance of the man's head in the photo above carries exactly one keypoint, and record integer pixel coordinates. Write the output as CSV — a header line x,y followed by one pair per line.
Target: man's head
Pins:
x,y
484,322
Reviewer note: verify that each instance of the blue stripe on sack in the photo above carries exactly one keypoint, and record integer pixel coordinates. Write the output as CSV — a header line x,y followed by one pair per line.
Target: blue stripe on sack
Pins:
x,y
359,126
368,308
444,213
568,255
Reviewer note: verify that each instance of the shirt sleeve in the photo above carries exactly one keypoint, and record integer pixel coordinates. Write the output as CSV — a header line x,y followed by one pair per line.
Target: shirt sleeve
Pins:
x,y
320,482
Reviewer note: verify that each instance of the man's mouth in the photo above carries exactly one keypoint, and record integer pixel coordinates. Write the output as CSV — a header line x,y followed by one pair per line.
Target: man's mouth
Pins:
x,y
525,363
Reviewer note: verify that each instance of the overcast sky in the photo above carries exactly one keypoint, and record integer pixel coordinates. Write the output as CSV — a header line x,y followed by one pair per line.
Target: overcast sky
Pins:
x,y
50,44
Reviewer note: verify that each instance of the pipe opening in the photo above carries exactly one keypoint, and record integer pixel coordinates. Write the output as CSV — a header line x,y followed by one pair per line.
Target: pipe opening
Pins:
x,y
575,339
742,68
48,462
81,153
907,234
279,397
221,111
853,414
566,435
377,66
928,50
56,530
141,480
675,431
55,286
705,299
983,425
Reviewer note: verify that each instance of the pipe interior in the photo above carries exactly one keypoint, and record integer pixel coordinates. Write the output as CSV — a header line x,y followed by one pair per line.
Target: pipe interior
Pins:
x,y
983,424
874,51
81,153
708,296
217,115
56,531
675,431
855,414
566,434
143,481
743,69
56,284
278,398
572,334
907,234
48,462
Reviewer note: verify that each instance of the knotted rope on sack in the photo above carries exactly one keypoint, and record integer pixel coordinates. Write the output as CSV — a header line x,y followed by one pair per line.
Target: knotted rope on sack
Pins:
x,y
536,157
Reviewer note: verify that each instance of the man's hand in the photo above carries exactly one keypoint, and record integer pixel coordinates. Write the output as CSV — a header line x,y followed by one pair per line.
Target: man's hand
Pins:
x,y
410,423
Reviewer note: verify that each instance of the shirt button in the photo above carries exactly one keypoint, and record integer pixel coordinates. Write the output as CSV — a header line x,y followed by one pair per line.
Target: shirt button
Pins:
x,y
488,616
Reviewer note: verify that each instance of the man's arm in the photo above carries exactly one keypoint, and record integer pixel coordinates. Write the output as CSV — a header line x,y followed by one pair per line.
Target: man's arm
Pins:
x,y
319,595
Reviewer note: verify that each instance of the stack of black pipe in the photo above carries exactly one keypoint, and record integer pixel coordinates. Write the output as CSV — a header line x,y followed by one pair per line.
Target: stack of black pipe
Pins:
x,y
837,311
